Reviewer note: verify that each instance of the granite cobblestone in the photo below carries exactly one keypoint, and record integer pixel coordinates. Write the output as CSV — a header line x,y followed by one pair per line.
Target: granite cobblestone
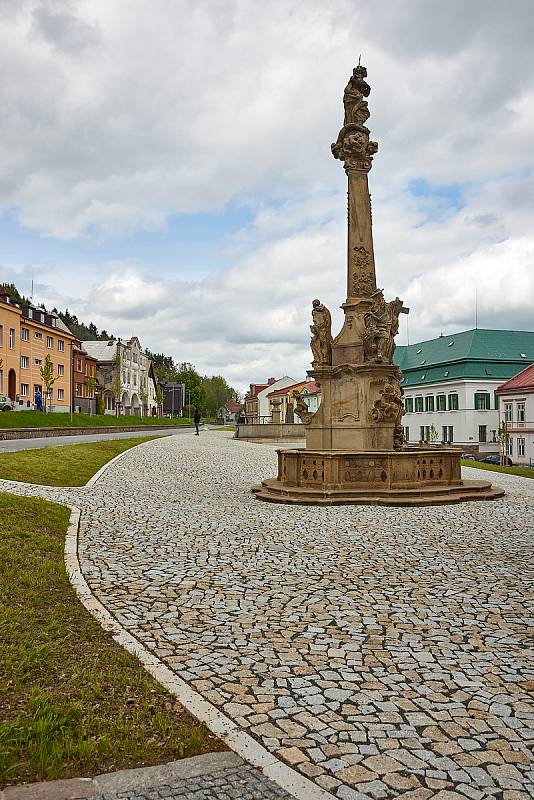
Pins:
x,y
379,651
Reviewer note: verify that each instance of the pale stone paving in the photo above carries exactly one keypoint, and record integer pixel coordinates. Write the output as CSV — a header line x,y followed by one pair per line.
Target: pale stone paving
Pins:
x,y
379,651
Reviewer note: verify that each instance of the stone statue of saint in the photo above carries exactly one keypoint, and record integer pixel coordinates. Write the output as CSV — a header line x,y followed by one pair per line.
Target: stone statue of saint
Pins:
x,y
382,325
356,108
321,343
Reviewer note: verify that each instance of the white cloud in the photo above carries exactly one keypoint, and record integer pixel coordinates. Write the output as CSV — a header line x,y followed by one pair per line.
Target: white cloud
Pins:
x,y
118,115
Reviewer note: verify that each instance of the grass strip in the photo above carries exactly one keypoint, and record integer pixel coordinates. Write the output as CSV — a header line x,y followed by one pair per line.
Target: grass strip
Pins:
x,y
72,701
66,465
524,472
36,419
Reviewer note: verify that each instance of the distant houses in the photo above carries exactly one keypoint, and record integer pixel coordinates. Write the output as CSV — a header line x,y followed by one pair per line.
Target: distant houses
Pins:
x,y
257,409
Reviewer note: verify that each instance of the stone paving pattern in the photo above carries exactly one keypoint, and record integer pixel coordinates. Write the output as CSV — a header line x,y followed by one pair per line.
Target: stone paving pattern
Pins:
x,y
382,652
241,783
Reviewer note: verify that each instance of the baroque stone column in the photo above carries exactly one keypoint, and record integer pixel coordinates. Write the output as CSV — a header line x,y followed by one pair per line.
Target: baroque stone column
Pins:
x,y
355,149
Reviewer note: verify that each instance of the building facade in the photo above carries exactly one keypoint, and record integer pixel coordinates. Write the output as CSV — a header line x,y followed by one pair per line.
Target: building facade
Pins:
x,y
83,376
28,335
516,409
282,402
450,385
123,376
173,398
257,409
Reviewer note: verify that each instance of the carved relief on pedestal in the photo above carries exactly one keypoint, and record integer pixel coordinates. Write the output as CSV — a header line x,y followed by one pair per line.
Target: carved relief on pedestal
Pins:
x,y
311,470
321,343
359,470
389,406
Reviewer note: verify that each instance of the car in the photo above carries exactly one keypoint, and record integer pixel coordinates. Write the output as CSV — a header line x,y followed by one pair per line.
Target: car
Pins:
x,y
6,403
494,459
468,457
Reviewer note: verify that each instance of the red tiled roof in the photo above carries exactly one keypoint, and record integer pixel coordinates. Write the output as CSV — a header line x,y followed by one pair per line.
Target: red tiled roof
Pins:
x,y
257,387
523,380
310,386
232,407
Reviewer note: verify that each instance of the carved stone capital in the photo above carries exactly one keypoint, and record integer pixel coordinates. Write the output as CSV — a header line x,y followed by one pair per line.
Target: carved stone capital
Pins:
x,y
354,148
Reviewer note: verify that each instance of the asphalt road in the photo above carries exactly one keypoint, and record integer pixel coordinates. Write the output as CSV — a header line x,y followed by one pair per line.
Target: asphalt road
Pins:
x,y
12,445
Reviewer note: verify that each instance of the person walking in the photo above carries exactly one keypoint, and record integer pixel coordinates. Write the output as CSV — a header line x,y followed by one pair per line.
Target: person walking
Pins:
x,y
196,420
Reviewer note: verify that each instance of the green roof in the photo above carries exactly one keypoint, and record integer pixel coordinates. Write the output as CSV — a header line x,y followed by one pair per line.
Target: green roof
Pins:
x,y
493,355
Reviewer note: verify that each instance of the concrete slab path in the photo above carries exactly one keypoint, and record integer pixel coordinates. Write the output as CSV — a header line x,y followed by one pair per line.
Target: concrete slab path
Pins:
x,y
378,652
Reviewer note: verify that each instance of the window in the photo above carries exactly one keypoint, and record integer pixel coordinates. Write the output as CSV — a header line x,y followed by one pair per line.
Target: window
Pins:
x,y
60,394
24,335
78,365
1,335
79,390
520,446
444,434
24,389
422,433
408,405
49,341
520,412
37,361
406,434
60,370
38,335
508,412
418,404
482,401
482,433
12,338
60,345
451,434
429,402
24,362
441,402
510,448
453,402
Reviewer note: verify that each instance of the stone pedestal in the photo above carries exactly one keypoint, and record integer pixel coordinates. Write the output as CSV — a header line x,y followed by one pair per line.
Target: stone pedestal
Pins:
x,y
418,476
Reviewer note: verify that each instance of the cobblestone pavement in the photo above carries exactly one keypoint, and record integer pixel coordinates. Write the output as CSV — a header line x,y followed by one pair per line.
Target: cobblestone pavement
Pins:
x,y
379,651
241,783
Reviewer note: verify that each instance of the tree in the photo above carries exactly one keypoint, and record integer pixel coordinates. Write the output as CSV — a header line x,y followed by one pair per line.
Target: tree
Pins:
x,y
504,437
143,394
116,386
433,435
195,393
90,383
47,375
159,399
218,393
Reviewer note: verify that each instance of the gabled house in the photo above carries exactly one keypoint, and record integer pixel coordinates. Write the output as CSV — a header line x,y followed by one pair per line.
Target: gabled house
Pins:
x,y
516,408
257,400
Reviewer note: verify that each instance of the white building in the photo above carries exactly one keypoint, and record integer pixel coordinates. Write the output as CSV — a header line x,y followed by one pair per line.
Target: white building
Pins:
x,y
123,376
516,408
257,407
450,385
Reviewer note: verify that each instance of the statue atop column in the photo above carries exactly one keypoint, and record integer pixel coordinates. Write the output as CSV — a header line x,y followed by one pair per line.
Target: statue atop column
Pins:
x,y
321,343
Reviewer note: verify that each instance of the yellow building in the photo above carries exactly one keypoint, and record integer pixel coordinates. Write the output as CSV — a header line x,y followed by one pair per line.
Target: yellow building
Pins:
x,y
27,335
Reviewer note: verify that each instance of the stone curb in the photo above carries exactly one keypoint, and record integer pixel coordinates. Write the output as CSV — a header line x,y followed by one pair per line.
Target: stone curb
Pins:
x,y
44,433
126,780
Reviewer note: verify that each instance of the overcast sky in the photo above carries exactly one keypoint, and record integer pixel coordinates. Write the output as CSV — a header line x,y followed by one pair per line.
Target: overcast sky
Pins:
x,y
166,167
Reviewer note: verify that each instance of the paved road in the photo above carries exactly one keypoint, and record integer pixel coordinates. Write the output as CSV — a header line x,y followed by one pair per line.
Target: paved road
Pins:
x,y
12,445
379,651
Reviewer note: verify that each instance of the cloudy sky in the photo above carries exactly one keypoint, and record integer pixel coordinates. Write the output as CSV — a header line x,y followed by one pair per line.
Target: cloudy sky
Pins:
x,y
166,167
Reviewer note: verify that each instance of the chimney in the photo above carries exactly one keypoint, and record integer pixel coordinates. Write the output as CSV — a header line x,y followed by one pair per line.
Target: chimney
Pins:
x,y
271,380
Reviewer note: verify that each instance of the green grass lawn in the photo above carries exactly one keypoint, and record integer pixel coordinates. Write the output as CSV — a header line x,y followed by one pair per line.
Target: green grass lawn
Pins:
x,y
72,701
36,419
67,465
524,472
